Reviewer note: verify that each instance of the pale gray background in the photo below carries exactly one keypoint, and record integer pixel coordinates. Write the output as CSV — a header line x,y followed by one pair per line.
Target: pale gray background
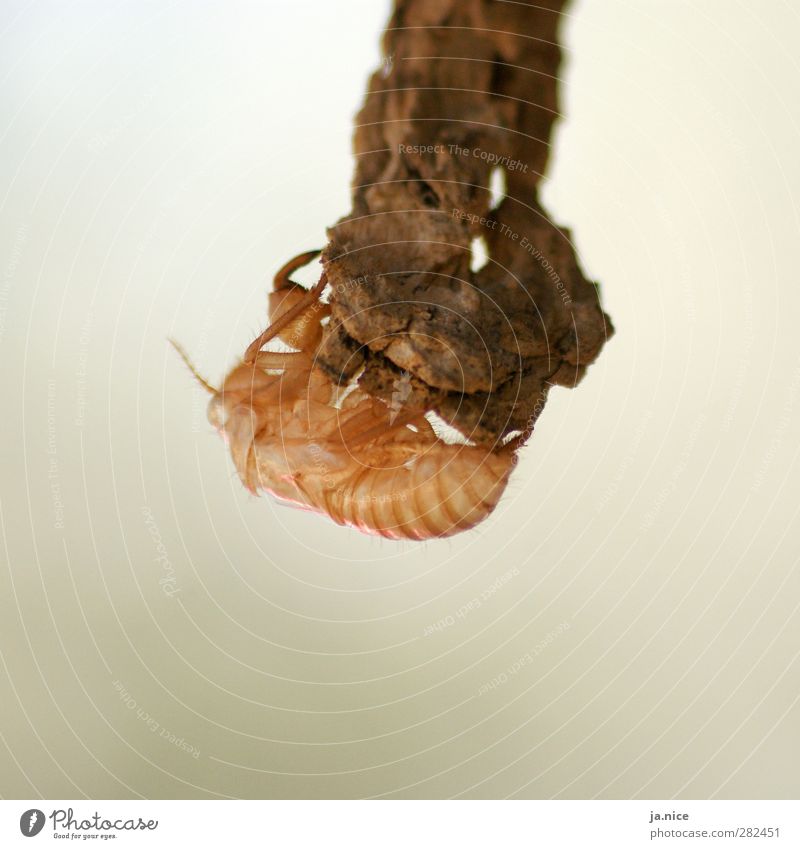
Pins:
x,y
158,162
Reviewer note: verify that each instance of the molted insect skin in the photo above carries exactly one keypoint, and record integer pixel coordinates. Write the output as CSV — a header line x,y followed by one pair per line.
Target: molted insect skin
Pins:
x,y
413,487
305,332
440,493
359,463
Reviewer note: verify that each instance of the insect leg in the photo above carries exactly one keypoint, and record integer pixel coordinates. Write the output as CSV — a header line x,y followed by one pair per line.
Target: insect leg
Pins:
x,y
355,424
281,359
424,427
382,429
287,318
281,280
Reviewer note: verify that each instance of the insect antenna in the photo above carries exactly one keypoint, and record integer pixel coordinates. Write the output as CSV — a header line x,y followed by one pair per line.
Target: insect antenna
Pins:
x,y
197,376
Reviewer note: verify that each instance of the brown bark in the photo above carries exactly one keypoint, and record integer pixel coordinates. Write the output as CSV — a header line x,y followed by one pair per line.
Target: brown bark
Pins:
x,y
466,86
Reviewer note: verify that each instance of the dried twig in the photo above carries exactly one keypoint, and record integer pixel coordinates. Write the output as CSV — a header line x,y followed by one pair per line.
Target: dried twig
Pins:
x,y
467,87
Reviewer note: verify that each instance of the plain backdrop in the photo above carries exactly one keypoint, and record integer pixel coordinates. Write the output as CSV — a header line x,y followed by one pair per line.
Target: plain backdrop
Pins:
x,y
625,625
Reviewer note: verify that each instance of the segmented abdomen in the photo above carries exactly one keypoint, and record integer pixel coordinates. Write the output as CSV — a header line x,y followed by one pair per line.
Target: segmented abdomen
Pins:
x,y
399,483
450,488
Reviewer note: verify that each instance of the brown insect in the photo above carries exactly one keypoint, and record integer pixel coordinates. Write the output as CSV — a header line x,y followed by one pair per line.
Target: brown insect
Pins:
x,y
357,461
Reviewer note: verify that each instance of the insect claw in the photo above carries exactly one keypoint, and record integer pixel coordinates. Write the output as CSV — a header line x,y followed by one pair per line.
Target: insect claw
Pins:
x,y
281,280
516,442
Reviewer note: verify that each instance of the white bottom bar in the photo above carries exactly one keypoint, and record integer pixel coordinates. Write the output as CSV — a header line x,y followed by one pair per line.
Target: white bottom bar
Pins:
x,y
402,824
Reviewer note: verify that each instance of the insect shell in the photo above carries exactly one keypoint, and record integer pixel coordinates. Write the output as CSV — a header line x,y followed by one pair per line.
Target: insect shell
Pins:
x,y
358,462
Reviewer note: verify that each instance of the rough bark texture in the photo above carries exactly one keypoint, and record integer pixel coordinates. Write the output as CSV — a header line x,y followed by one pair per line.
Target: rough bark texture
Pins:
x,y
467,86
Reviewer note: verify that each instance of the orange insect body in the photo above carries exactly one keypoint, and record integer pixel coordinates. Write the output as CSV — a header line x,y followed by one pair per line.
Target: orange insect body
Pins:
x,y
358,462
